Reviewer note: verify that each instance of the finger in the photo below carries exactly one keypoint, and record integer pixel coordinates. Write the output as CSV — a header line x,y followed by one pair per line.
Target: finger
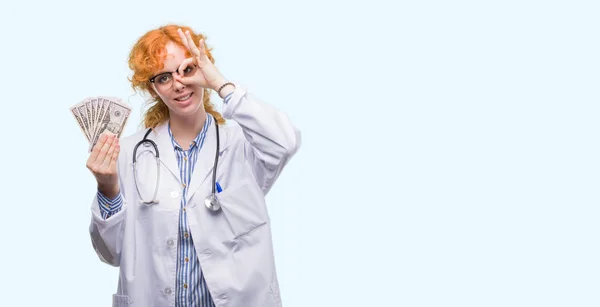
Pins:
x,y
96,149
190,80
109,153
104,149
192,46
183,39
202,48
115,157
187,62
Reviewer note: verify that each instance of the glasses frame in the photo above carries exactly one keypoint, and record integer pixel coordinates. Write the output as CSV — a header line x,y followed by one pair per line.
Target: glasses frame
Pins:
x,y
153,78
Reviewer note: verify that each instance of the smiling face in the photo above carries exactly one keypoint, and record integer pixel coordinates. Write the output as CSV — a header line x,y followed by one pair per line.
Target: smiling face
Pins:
x,y
182,100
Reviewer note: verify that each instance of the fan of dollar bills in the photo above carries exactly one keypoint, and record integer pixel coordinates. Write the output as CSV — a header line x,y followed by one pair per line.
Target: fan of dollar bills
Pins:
x,y
97,115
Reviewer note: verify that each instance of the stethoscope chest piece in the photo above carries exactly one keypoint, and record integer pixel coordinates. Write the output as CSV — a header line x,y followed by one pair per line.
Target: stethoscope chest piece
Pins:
x,y
212,203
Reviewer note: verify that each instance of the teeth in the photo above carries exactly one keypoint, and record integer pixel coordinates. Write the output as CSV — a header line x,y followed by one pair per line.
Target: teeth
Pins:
x,y
184,98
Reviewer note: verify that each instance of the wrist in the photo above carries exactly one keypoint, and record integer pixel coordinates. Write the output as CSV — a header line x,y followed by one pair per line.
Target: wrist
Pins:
x,y
109,190
225,88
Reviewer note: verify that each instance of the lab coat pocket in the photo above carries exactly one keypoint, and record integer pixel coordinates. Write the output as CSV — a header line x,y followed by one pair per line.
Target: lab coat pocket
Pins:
x,y
121,300
243,208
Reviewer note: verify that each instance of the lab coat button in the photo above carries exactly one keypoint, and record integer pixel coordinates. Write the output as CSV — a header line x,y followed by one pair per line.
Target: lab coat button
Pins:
x,y
168,291
174,194
170,242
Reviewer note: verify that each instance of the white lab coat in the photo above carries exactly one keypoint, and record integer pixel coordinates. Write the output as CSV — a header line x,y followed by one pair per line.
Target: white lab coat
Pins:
x,y
234,245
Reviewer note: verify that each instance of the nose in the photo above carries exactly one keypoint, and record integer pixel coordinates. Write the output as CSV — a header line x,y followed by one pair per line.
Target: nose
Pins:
x,y
178,86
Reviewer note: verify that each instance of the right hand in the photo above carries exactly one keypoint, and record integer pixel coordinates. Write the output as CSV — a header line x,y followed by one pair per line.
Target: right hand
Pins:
x,y
103,164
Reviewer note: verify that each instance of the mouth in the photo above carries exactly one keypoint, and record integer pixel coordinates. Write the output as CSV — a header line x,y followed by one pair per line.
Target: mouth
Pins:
x,y
184,101
184,98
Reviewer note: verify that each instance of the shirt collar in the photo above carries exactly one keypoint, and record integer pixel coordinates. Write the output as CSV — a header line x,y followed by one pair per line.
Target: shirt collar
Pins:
x,y
198,138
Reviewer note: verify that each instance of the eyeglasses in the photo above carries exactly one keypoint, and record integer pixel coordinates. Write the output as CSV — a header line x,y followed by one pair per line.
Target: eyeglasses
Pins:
x,y
164,81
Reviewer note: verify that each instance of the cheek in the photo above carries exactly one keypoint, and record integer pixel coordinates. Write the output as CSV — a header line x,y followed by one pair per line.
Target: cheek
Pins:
x,y
156,94
200,94
166,98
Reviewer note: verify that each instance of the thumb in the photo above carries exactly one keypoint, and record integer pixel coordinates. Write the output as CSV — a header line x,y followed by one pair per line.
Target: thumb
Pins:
x,y
185,80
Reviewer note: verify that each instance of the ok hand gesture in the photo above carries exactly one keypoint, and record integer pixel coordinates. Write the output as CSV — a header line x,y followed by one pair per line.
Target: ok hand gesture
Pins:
x,y
207,75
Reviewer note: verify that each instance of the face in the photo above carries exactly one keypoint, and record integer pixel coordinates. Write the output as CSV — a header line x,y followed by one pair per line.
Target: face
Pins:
x,y
182,100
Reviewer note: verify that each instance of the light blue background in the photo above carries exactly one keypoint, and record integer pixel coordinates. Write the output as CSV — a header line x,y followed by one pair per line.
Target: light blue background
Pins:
x,y
449,158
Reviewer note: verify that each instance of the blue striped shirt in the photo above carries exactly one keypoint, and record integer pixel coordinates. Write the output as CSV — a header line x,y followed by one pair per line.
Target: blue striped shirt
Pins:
x,y
190,288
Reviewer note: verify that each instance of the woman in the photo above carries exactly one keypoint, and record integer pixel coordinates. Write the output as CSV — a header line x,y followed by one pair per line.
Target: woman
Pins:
x,y
178,252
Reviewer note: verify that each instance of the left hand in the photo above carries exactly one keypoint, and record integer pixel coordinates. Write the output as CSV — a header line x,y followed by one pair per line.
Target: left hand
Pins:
x,y
207,75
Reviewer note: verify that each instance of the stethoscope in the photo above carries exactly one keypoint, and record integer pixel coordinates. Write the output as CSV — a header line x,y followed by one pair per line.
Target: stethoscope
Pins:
x,y
211,201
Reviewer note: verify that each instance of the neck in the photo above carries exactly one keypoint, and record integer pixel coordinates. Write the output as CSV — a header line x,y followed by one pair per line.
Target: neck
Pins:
x,y
185,129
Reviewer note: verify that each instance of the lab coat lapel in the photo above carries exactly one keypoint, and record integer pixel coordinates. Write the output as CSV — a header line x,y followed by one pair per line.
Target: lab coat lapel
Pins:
x,y
206,159
167,152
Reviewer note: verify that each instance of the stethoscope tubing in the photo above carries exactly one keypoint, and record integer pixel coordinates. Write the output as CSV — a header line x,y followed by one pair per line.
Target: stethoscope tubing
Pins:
x,y
211,201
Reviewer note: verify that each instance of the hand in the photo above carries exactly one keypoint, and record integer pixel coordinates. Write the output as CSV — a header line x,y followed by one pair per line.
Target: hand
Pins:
x,y
103,164
207,75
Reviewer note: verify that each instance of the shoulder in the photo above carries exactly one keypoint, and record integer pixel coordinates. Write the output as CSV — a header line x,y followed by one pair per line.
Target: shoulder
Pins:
x,y
232,134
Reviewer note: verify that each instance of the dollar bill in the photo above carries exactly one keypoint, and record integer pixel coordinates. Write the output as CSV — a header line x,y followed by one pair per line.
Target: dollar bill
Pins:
x,y
102,106
100,115
113,121
89,116
94,106
83,112
79,120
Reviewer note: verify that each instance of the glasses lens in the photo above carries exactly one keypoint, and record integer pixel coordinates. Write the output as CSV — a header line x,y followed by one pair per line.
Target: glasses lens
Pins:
x,y
163,81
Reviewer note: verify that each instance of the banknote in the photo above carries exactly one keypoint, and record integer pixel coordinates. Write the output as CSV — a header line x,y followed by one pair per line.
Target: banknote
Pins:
x,y
100,115
94,107
85,119
102,106
79,119
113,121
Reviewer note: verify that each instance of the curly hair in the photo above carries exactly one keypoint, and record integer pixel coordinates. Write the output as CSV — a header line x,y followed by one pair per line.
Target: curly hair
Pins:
x,y
146,57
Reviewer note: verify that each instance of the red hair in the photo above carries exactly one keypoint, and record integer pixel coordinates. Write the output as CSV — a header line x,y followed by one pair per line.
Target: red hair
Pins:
x,y
146,57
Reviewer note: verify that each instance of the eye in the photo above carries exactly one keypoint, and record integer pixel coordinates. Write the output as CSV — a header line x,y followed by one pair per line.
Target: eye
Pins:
x,y
188,70
164,78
